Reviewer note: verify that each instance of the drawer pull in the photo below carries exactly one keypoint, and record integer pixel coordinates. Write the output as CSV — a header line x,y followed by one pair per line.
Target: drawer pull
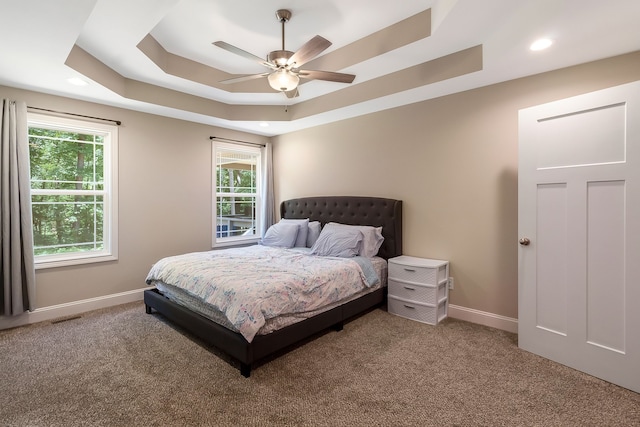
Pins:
x,y
409,288
409,306
411,270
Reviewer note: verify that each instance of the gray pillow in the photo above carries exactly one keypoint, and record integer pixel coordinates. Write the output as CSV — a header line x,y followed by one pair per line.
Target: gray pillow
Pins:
x,y
314,233
303,224
281,235
371,238
338,242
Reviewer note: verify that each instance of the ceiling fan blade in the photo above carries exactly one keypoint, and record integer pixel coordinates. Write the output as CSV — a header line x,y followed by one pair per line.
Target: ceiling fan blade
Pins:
x,y
292,93
244,78
230,48
308,51
326,75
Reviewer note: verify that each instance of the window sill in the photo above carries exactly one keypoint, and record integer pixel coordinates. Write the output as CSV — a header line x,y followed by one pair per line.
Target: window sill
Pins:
x,y
236,243
42,265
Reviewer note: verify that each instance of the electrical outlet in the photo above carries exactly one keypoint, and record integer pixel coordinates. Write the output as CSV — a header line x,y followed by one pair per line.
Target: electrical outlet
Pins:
x,y
450,283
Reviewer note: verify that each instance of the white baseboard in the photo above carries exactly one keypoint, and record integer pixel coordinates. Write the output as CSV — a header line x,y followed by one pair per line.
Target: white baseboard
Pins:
x,y
70,309
497,321
77,307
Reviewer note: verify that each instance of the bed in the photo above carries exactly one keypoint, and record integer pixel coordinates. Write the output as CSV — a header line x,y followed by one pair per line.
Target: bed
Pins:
x,y
351,210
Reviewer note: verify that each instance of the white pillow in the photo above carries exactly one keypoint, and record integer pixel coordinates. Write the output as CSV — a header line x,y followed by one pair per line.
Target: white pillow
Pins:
x,y
281,235
338,242
303,224
314,233
372,238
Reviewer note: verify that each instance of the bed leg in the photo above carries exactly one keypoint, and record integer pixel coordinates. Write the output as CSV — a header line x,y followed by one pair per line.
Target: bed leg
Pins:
x,y
147,309
338,326
245,369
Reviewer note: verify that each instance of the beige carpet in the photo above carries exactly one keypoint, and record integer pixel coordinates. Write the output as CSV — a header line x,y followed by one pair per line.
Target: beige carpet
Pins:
x,y
122,367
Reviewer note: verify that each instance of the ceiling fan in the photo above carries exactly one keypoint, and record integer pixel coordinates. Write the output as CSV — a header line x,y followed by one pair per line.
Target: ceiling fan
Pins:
x,y
285,65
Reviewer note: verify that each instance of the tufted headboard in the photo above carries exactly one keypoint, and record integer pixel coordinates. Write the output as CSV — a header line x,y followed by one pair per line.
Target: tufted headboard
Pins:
x,y
353,210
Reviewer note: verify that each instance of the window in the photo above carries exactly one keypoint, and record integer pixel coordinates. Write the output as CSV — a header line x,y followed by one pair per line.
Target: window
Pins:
x,y
237,184
73,190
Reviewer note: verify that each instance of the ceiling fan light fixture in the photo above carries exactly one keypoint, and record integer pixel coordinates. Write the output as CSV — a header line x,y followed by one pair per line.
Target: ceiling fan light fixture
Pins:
x,y
283,80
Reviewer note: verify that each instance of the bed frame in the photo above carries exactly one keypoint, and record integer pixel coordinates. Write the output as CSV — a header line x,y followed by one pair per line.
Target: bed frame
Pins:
x,y
344,209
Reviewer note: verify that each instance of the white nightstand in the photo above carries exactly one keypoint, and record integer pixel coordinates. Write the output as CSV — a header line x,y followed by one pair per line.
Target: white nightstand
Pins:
x,y
418,288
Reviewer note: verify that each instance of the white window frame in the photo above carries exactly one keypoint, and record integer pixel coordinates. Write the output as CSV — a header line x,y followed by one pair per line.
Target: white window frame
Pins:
x,y
236,240
109,192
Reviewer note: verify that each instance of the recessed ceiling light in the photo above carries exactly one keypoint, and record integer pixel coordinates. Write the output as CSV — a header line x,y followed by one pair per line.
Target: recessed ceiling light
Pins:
x,y
264,124
541,44
77,81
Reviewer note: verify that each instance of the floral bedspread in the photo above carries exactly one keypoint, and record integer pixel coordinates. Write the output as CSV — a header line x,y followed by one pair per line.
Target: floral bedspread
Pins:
x,y
252,284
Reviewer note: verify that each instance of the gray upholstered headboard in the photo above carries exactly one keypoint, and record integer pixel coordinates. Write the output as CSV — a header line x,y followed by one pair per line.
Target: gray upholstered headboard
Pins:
x,y
353,210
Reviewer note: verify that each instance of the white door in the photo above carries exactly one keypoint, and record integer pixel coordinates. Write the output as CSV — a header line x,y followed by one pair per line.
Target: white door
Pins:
x,y
579,232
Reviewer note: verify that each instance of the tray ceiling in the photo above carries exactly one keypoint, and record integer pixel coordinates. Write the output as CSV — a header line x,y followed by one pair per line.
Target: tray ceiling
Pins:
x,y
157,56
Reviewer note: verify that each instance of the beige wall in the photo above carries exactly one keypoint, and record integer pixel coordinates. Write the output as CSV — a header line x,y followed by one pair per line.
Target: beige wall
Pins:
x,y
453,161
164,198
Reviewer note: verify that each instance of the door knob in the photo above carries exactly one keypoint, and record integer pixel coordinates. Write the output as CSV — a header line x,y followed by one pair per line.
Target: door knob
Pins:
x,y
524,241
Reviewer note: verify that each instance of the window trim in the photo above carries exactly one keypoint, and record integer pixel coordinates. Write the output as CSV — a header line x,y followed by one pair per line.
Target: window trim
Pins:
x,y
235,240
110,191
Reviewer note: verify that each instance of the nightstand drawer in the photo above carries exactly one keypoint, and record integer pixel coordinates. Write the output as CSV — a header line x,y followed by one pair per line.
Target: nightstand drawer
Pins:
x,y
416,311
418,274
416,292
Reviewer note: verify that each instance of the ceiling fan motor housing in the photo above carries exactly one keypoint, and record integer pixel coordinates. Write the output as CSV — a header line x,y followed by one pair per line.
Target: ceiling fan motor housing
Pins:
x,y
279,57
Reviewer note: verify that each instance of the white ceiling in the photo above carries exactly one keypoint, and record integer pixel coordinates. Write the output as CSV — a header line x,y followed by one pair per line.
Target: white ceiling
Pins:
x,y
40,34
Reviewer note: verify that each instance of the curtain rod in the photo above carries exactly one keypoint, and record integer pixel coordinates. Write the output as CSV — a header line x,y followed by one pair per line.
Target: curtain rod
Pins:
x,y
236,140
118,122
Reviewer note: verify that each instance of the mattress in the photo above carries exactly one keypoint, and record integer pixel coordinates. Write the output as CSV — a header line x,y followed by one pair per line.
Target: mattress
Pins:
x,y
202,307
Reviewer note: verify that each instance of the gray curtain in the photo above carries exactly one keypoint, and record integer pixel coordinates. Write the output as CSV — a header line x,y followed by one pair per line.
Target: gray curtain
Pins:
x,y
17,273
268,199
